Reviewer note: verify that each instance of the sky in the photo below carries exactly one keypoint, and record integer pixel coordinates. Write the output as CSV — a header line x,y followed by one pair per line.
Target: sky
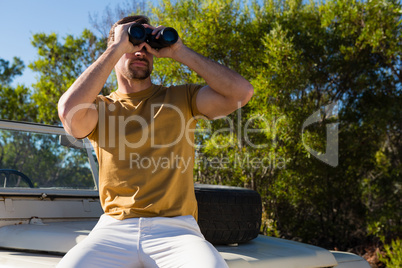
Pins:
x,y
20,19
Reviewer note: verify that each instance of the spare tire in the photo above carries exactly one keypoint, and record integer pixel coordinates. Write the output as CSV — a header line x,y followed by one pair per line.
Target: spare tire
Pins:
x,y
228,215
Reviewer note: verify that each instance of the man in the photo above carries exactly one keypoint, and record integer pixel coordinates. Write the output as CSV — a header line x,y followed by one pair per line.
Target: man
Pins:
x,y
143,137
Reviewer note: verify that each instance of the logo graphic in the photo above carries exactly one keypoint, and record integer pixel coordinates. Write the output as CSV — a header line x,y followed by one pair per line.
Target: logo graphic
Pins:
x,y
330,156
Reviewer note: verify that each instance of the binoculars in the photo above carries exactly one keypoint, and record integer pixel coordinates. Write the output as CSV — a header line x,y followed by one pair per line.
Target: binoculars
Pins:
x,y
138,34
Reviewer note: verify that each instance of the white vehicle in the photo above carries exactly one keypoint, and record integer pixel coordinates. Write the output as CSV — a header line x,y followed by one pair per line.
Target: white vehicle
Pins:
x,y
49,202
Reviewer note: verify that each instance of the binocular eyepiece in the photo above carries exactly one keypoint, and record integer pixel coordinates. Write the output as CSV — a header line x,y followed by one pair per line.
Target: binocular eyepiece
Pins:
x,y
138,34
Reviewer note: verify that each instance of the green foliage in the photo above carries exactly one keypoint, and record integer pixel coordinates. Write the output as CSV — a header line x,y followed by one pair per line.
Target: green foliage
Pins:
x,y
301,57
44,161
393,254
58,65
15,103
211,28
7,72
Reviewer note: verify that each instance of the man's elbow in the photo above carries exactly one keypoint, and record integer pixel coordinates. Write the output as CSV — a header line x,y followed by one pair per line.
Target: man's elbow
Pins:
x,y
69,117
65,112
62,111
63,115
248,90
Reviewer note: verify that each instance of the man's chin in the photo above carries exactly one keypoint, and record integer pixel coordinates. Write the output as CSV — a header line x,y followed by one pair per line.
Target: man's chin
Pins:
x,y
141,78
139,74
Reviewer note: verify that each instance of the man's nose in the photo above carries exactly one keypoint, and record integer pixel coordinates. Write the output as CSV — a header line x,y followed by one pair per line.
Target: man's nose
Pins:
x,y
141,53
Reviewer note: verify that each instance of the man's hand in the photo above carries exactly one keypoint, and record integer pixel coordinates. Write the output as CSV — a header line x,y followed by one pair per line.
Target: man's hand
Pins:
x,y
226,90
166,52
75,107
122,41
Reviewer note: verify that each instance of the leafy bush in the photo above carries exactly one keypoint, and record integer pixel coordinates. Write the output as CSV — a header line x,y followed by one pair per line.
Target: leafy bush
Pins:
x,y
393,254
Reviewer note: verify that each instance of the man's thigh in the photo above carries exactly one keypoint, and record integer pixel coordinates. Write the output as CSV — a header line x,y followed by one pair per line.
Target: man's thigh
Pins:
x,y
177,242
145,242
112,243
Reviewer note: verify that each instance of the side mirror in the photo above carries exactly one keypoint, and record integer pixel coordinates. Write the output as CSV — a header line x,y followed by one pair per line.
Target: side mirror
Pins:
x,y
70,141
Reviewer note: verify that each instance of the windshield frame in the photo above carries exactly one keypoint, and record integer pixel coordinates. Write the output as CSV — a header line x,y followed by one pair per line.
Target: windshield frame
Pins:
x,y
49,192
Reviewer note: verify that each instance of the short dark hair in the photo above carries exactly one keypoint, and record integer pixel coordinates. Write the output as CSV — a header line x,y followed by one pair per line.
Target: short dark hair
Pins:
x,y
136,18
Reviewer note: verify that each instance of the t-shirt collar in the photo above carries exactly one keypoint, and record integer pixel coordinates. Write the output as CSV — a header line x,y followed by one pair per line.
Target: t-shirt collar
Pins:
x,y
136,95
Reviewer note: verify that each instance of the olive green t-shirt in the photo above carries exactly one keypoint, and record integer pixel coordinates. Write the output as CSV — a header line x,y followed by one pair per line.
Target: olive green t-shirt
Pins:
x,y
144,143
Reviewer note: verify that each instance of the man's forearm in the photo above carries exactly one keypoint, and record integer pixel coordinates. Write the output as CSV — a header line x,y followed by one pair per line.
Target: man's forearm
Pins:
x,y
90,83
74,106
221,79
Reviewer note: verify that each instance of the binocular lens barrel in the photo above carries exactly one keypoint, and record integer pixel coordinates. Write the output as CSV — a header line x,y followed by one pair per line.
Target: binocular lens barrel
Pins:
x,y
138,34
170,35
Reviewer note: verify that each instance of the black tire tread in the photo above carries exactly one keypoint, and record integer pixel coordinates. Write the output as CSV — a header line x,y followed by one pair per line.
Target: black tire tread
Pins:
x,y
228,215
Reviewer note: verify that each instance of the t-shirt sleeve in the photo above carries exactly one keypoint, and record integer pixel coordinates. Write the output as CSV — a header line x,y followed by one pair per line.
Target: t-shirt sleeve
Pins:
x,y
193,91
96,102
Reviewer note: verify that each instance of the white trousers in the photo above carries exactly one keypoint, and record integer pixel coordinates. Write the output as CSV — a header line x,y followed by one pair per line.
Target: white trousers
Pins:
x,y
144,242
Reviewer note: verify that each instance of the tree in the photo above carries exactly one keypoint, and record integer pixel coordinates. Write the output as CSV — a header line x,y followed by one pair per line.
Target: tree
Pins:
x,y
302,57
14,101
7,72
317,68
58,65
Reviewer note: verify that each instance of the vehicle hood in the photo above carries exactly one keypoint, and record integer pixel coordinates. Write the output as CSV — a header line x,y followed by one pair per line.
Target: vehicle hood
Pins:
x,y
267,251
59,237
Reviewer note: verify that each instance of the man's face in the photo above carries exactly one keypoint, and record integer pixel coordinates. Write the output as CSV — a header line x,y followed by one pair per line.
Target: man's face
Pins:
x,y
135,66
